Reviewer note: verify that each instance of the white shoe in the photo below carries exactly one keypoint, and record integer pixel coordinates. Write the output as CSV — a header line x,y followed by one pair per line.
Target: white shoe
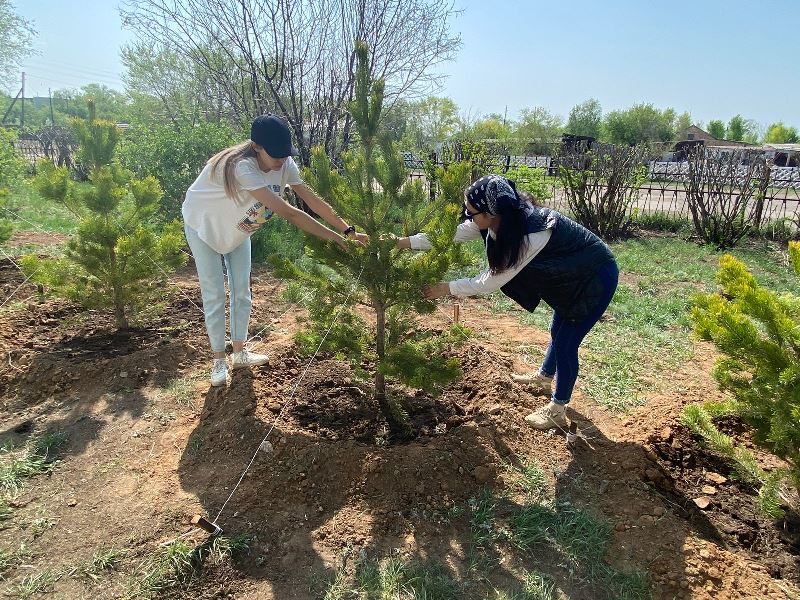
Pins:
x,y
550,416
245,358
219,374
536,380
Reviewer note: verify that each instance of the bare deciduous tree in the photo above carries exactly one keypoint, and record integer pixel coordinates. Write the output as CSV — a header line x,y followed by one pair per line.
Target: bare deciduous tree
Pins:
x,y
722,191
601,186
297,57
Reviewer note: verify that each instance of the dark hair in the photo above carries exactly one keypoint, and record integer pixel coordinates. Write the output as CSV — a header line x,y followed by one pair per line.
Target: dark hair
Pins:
x,y
510,239
526,197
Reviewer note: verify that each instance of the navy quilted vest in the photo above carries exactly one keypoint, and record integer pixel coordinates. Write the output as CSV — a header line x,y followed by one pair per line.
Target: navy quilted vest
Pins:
x,y
563,273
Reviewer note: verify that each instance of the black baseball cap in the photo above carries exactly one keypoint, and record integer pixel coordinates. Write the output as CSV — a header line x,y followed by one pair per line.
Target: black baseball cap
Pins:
x,y
272,133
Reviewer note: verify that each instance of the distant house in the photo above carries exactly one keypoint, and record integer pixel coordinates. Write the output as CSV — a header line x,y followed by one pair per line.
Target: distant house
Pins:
x,y
694,133
695,137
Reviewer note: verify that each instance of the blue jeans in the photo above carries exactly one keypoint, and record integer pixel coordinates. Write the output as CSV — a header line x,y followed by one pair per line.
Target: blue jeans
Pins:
x,y
561,358
212,288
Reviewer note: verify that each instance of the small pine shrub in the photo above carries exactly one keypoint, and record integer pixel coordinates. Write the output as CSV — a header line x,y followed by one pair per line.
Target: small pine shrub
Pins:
x,y
372,191
758,333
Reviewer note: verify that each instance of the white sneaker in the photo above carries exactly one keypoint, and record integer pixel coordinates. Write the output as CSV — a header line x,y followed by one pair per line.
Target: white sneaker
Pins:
x,y
550,416
535,380
219,374
245,358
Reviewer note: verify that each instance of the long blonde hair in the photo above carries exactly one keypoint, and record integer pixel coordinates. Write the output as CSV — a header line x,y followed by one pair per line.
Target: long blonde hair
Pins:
x,y
228,159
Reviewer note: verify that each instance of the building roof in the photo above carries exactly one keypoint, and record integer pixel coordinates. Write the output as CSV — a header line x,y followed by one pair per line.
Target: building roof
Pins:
x,y
783,147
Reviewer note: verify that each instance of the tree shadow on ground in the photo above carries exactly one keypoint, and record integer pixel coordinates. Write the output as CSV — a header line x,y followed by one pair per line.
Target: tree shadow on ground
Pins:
x,y
649,528
586,541
68,371
309,501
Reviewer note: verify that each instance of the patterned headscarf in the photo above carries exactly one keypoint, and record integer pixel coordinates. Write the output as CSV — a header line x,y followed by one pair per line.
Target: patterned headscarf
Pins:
x,y
493,193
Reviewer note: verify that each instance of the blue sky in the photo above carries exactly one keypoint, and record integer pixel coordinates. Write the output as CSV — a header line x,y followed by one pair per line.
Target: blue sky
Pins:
x,y
712,58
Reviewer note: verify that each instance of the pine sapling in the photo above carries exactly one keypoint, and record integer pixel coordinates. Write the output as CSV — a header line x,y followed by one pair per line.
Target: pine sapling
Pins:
x,y
372,191
117,259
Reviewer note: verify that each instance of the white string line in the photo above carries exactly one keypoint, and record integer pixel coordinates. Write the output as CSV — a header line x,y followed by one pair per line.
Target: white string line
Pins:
x,y
19,287
291,397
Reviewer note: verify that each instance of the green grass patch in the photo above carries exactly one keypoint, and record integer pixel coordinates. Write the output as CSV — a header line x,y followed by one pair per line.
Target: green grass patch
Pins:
x,y
28,211
176,565
535,586
528,479
183,389
660,221
277,236
579,537
101,562
35,583
36,457
482,518
394,579
532,528
10,559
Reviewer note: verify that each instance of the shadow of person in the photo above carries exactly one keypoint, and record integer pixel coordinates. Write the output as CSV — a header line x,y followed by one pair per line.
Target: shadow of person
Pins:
x,y
650,520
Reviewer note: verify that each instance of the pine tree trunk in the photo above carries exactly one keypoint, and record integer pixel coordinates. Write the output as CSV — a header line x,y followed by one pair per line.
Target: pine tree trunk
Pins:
x,y
119,309
119,315
380,379
119,304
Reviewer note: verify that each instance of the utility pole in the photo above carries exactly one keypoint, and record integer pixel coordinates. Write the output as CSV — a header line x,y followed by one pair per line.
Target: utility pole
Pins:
x,y
22,120
52,118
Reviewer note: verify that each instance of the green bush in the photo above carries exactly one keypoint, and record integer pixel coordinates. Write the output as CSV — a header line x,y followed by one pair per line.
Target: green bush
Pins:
x,y
117,259
277,237
12,165
174,156
532,181
12,168
661,221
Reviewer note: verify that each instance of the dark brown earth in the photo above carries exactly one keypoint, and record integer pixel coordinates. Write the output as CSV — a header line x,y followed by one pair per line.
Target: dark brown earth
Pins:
x,y
140,459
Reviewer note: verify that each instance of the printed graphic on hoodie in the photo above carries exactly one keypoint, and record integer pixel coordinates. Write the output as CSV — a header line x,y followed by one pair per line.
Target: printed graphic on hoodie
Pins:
x,y
257,214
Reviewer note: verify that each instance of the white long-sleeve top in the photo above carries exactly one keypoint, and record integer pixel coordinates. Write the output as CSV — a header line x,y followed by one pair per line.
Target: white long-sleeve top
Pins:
x,y
485,283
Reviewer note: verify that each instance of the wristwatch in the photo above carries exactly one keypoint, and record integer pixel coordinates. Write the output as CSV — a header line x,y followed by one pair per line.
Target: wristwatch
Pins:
x,y
350,229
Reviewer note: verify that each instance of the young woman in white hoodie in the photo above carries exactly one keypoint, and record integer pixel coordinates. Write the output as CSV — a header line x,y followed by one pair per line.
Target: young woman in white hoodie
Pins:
x,y
238,191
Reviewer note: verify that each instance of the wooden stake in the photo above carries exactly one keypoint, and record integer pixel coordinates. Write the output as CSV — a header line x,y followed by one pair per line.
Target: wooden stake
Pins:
x,y
203,523
456,310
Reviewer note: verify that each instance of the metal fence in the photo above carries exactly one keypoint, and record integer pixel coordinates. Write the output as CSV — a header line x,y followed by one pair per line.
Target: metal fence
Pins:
x,y
56,144
663,192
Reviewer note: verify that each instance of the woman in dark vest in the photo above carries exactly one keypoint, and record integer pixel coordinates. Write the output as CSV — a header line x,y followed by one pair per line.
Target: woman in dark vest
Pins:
x,y
535,254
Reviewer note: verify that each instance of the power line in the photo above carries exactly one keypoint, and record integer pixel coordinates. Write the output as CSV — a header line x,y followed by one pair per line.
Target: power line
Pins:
x,y
34,62
73,80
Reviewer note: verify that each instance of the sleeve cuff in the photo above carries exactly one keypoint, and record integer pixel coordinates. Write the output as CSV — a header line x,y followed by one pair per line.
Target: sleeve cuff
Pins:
x,y
419,242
